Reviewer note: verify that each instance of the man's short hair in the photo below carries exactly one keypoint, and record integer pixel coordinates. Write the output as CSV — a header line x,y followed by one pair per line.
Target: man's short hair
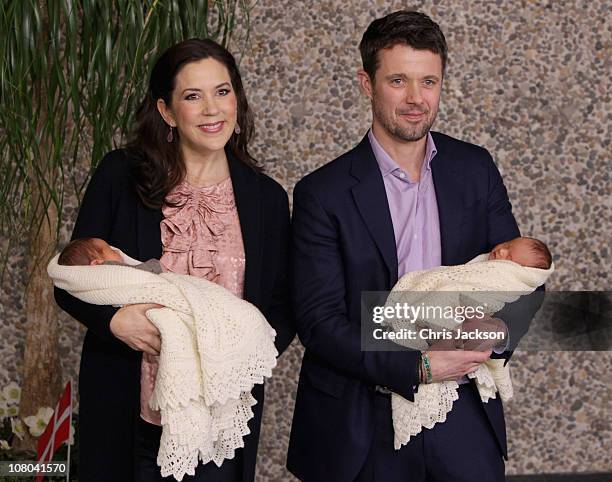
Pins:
x,y
79,252
414,29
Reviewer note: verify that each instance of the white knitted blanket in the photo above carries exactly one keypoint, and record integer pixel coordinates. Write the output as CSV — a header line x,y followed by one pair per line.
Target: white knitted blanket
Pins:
x,y
490,284
215,348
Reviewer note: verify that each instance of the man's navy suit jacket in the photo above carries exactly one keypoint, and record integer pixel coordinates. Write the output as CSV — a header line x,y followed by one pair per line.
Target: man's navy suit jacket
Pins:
x,y
343,245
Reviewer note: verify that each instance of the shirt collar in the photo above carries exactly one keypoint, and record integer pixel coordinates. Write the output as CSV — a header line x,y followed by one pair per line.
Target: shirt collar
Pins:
x,y
388,165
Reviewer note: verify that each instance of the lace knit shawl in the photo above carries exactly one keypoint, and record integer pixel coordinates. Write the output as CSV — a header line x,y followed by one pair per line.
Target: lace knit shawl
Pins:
x,y
490,283
215,348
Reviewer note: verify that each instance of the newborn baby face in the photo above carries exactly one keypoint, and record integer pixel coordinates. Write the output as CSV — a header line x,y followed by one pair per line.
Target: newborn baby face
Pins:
x,y
518,250
106,253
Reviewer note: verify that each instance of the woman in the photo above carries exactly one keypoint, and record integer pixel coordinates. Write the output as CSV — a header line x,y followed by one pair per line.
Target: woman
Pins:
x,y
185,191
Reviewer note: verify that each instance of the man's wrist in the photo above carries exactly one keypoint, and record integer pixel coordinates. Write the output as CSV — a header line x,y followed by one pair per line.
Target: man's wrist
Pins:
x,y
426,376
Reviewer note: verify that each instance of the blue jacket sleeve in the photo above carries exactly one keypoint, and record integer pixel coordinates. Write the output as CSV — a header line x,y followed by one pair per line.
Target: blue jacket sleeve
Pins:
x,y
502,227
94,220
280,315
322,319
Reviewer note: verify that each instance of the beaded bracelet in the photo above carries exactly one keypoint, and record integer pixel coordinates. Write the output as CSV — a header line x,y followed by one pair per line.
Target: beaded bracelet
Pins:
x,y
427,367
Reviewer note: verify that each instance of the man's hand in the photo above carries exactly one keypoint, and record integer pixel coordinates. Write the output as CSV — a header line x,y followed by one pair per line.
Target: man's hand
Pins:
x,y
447,363
482,325
131,325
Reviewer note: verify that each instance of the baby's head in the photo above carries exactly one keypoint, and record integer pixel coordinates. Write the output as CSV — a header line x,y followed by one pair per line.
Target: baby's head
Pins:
x,y
525,251
88,252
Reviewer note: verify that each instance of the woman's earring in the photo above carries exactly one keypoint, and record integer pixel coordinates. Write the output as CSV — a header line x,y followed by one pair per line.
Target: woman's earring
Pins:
x,y
170,136
237,128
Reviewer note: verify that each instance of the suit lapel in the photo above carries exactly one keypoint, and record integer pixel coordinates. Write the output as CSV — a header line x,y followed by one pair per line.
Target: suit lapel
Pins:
x,y
247,193
448,180
371,200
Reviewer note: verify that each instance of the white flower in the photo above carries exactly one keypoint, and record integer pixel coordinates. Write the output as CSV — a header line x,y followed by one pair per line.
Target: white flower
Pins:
x,y
4,445
12,410
12,393
17,428
3,410
37,423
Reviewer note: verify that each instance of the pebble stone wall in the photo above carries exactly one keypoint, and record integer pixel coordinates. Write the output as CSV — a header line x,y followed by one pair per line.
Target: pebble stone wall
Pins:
x,y
530,81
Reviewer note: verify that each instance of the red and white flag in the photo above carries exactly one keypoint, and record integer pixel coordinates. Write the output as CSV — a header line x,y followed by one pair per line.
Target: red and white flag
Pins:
x,y
58,429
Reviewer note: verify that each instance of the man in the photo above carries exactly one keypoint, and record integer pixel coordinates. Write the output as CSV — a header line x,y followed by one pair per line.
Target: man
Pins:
x,y
404,199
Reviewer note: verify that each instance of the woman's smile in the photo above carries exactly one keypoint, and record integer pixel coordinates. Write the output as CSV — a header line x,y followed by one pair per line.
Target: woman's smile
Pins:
x,y
212,128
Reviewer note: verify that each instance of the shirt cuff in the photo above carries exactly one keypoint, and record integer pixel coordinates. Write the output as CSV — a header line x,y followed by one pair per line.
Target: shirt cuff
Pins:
x,y
498,350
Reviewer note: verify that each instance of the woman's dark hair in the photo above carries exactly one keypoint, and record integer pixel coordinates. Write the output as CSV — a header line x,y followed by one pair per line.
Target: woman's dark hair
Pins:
x,y
414,29
160,167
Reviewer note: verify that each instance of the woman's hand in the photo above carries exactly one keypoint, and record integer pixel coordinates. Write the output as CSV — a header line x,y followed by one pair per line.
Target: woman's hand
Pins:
x,y
131,325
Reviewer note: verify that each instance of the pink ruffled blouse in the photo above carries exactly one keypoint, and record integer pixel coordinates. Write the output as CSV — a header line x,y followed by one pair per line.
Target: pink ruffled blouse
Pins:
x,y
200,236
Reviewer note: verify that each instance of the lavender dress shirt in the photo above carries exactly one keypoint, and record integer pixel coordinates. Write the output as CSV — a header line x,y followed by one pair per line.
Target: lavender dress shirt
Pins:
x,y
414,214
414,210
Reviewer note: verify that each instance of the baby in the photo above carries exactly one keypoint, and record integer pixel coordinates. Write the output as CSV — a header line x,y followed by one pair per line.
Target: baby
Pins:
x,y
215,348
529,253
485,284
96,251
525,251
